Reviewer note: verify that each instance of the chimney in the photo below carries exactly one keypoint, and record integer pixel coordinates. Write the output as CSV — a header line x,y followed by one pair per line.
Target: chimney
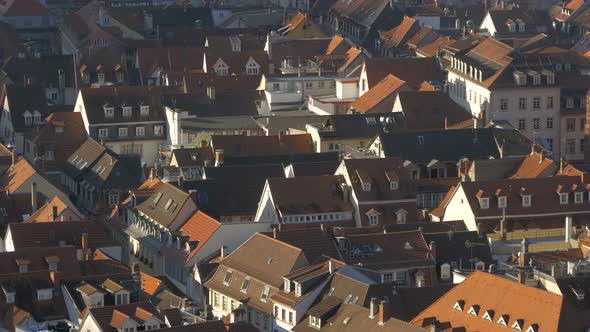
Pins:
x,y
541,157
524,249
222,252
274,233
383,314
502,151
84,245
503,225
533,150
568,228
218,157
13,156
211,92
152,173
54,213
373,308
330,267
33,197
433,249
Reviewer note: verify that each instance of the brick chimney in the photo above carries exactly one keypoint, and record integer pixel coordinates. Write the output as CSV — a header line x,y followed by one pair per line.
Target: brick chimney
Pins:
x,y
84,245
219,154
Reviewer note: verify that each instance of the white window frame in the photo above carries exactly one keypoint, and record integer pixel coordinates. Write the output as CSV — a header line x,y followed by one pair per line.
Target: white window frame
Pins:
x,y
139,131
123,132
103,132
563,198
502,202
579,197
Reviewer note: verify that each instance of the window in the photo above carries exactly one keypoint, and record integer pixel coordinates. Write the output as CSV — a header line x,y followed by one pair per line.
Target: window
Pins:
x,y
158,130
245,285
484,203
227,278
265,293
366,186
549,123
28,119
521,124
113,199
290,317
276,87
570,146
223,303
550,144
122,132
122,299
445,271
252,68
139,131
526,200
109,112
222,69
537,103
563,198
570,124
502,200
321,84
103,132
100,77
120,76
144,110
569,102
373,220
49,155
582,124
308,85
504,104
522,103
393,185
536,123
127,111
579,197
536,79
549,102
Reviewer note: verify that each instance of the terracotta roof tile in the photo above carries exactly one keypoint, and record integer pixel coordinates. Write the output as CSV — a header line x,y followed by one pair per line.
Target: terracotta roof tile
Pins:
x,y
199,229
401,33
15,177
535,165
380,98
508,299
150,284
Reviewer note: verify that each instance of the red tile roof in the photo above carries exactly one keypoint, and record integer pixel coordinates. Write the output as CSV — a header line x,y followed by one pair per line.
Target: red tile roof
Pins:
x,y
497,296
380,98
199,229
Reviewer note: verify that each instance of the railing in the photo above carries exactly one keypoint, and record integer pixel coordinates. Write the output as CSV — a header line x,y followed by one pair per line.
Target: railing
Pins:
x,y
530,234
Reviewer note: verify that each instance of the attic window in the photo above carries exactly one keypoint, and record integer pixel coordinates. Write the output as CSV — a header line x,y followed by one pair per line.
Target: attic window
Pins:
x,y
401,216
28,118
474,310
367,186
518,324
408,246
526,200
533,328
109,111
502,202
519,77
420,140
563,198
521,27
168,204
144,110
265,293
245,285
393,185
227,278
579,197
484,203
127,111
488,315
459,305
445,271
503,320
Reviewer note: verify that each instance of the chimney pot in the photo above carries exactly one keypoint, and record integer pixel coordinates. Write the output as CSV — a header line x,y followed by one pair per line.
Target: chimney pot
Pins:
x,y
330,266
383,314
373,308
84,245
222,252
219,156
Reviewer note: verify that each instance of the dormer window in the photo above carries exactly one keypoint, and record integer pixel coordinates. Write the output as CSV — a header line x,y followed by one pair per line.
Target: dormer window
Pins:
x,y
502,202
315,322
567,67
287,285
236,43
563,198
519,78
526,200
521,27
36,117
484,203
127,111
245,285
474,310
511,26
503,320
445,271
518,324
23,265
120,77
401,216
45,294
227,278
252,67
221,68
366,186
536,78
533,328
579,197
10,296
144,110
265,294
459,305
100,77
28,118
373,217
488,315
550,78
393,185
109,111
297,289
